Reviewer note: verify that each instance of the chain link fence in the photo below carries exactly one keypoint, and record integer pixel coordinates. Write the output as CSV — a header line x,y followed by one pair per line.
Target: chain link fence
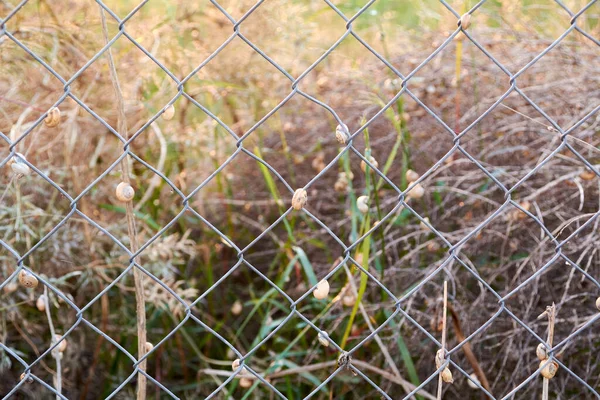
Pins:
x,y
343,361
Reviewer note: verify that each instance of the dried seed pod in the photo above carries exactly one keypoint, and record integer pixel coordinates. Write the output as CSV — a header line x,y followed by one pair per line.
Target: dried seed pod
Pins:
x,y
235,364
465,21
550,369
416,192
447,375
587,175
62,346
299,199
598,303
148,347
411,176
541,352
41,303
53,118
361,204
10,287
245,383
29,378
349,300
169,113
323,338
474,381
322,290
236,308
125,192
341,134
372,160
28,280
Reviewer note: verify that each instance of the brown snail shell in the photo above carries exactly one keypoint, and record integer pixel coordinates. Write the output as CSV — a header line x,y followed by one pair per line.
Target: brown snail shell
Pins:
x,y
27,279
125,192
53,118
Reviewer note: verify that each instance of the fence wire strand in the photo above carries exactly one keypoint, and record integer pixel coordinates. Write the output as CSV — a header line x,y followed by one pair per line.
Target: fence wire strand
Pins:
x,y
454,251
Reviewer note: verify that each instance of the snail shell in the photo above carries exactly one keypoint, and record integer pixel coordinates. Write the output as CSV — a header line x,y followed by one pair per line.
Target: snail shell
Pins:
x,y
236,308
372,160
245,383
411,175
299,199
341,134
235,364
465,21
541,352
417,191
348,300
148,346
322,290
550,369
29,379
125,192
41,303
62,346
361,204
474,381
53,118
11,287
18,165
598,303
324,338
169,113
447,375
27,279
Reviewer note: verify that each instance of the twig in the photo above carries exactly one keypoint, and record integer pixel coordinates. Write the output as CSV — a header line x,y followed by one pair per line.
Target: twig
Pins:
x,y
443,349
132,231
551,313
55,353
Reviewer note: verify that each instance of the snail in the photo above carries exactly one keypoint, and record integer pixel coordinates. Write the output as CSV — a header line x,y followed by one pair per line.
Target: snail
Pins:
x,y
245,383
27,279
322,290
10,287
447,375
598,303
299,199
236,308
348,300
541,352
62,346
372,160
53,118
361,204
168,113
549,370
29,378
473,382
341,134
235,364
411,176
148,347
465,21
18,165
41,303
323,338
125,192
417,191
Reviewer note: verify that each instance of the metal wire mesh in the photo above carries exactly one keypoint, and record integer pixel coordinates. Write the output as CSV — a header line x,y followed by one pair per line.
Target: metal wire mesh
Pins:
x,y
345,361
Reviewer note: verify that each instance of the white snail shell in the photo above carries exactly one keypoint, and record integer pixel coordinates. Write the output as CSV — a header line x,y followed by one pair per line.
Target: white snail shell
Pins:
x,y
322,290
417,191
53,118
125,192
447,375
28,280
11,287
411,176
465,21
236,308
235,364
474,381
169,113
62,346
541,352
323,338
148,347
18,165
41,303
598,303
372,160
245,383
361,204
348,300
341,134
299,199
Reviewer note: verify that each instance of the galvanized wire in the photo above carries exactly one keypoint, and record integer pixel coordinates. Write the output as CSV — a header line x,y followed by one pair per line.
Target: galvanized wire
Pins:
x,y
402,203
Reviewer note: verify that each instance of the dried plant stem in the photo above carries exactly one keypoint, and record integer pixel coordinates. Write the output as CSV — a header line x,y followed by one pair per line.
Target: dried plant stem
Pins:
x,y
131,228
55,353
445,310
551,313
